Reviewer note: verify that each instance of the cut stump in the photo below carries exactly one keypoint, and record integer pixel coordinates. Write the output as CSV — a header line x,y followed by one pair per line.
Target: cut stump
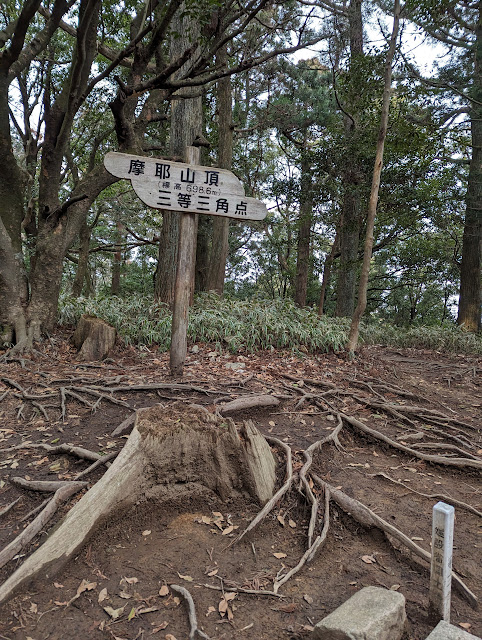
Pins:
x,y
172,451
94,338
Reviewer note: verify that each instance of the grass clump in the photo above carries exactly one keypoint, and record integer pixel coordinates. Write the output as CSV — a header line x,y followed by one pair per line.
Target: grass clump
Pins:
x,y
248,325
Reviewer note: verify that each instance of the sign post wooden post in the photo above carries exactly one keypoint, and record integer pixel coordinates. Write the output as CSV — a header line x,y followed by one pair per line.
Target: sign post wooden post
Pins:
x,y
441,564
184,281
191,189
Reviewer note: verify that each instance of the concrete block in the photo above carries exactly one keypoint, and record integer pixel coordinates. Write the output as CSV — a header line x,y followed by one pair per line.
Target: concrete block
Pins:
x,y
446,631
373,613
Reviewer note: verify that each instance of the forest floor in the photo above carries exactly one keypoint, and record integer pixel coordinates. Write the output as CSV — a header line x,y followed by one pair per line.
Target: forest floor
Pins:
x,y
118,585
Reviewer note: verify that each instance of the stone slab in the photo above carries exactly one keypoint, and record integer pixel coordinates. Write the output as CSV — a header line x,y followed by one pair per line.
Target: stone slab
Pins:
x,y
446,631
373,613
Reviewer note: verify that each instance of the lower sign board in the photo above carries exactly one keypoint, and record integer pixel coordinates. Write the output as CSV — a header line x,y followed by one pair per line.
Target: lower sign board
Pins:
x,y
162,184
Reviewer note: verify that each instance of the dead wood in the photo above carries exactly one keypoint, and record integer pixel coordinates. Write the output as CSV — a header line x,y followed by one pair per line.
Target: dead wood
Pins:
x,y
194,631
79,452
460,463
61,495
172,451
316,383
94,338
432,496
44,486
102,460
368,519
10,506
277,496
125,426
254,592
446,447
248,402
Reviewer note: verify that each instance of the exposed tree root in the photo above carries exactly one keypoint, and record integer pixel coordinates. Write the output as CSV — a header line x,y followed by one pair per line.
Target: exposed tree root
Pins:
x,y
79,452
195,631
367,518
10,506
254,592
269,506
44,486
460,463
61,495
432,496
248,402
102,460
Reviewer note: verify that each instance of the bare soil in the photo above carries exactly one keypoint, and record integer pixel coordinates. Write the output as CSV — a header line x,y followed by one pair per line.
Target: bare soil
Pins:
x,y
128,564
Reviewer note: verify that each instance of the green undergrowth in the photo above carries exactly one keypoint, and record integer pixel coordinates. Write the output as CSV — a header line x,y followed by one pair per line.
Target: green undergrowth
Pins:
x,y
249,325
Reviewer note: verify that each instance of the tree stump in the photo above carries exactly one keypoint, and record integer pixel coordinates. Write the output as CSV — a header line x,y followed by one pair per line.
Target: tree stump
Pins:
x,y
171,451
94,337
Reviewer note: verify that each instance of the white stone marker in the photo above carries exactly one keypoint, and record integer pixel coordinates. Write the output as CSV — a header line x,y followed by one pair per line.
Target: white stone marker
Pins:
x,y
441,565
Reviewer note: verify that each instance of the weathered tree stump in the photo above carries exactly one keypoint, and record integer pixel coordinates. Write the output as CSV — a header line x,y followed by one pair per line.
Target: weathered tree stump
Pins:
x,y
94,337
172,451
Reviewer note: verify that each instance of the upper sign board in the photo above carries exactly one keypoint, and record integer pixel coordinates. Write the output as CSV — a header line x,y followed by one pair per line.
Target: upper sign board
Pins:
x,y
162,184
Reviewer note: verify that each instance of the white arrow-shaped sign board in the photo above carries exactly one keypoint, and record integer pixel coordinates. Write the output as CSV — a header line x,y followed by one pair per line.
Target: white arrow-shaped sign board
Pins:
x,y
176,186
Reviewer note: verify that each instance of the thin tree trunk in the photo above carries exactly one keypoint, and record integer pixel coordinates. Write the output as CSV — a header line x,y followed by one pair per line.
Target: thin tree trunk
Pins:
x,y
469,314
116,266
220,231
377,170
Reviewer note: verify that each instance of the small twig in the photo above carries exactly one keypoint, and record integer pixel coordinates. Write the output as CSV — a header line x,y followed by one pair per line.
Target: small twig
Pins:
x,y
6,509
191,612
103,460
36,510
254,592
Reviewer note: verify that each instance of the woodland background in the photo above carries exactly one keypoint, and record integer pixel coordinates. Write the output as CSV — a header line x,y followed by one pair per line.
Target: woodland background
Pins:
x,y
79,78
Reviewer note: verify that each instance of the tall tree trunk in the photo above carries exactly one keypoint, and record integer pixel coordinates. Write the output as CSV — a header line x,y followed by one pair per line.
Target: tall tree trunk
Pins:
x,y
220,231
304,234
204,233
350,223
327,274
469,313
186,125
117,262
81,272
377,171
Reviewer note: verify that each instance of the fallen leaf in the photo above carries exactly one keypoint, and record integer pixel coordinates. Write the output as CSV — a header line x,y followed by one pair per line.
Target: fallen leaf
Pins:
x,y
280,555
147,532
210,610
205,520
292,524
213,573
308,598
114,613
130,580
218,515
33,607
230,595
417,538
85,585
125,595
228,530
159,627
102,595
164,590
186,578
57,585
395,587
132,614
368,559
281,520
465,625
271,423
170,637
287,608
177,601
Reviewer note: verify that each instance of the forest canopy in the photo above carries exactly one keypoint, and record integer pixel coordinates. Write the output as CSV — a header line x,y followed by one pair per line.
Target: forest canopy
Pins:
x,y
289,96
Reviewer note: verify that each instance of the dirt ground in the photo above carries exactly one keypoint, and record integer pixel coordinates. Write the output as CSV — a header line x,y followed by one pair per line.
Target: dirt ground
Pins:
x,y
119,584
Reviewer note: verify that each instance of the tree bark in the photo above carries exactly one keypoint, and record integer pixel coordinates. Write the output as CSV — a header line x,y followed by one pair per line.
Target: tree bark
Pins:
x,y
220,231
327,274
470,298
117,262
186,125
82,270
350,223
304,234
377,170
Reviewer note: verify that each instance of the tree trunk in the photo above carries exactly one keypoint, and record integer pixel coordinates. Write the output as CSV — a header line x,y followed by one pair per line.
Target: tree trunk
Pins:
x,y
377,170
172,452
186,125
327,274
81,273
304,234
350,223
469,314
220,231
117,262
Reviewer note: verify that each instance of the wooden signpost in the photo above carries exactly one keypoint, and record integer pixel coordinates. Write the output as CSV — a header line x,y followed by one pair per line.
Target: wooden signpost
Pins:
x,y
189,188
